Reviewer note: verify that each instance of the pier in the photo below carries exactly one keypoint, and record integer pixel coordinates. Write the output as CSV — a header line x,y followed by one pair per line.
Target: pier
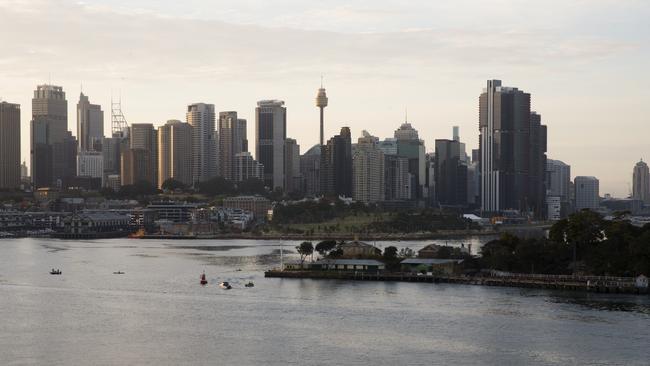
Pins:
x,y
598,284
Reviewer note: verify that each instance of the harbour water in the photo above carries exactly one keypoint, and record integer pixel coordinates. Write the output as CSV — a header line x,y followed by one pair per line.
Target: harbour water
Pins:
x,y
156,313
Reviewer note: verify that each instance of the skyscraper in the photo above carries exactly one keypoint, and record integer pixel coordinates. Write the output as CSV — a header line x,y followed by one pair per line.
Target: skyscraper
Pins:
x,y
641,182
201,117
135,166
558,182
111,148
513,146
336,165
587,193
310,170
247,168
411,147
175,152
48,127
450,173
270,136
368,170
90,125
321,103
9,145
232,141
292,166
143,136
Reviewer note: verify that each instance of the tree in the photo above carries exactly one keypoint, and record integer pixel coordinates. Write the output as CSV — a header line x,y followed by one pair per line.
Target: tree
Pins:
x,y
251,186
305,249
172,184
406,253
390,257
325,246
216,186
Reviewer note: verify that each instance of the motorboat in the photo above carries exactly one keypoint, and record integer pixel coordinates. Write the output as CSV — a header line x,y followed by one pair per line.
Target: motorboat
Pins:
x,y
225,285
55,272
250,284
118,272
203,280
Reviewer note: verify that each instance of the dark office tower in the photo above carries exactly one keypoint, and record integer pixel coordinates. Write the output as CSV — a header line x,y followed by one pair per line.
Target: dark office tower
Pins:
x,y
270,137
64,159
537,166
513,145
111,152
143,136
9,145
232,141
310,171
450,173
48,127
90,125
336,165
292,166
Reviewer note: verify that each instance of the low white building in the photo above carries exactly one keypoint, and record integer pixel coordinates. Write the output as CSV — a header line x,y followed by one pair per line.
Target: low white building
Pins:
x,y
90,164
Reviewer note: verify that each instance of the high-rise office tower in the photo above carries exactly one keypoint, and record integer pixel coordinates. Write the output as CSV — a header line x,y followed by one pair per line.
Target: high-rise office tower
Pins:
x,y
536,166
587,193
558,182
411,147
641,182
175,152
292,166
513,146
143,136
336,165
397,179
310,171
368,170
321,103
247,168
232,141
135,166
450,173
270,136
111,147
90,125
201,117
48,127
9,145
64,159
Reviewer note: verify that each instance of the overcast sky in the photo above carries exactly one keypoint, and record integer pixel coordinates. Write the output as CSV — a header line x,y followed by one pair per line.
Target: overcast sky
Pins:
x,y
585,62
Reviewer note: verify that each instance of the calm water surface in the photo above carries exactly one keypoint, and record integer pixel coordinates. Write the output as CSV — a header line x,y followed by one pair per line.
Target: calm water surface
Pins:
x,y
157,314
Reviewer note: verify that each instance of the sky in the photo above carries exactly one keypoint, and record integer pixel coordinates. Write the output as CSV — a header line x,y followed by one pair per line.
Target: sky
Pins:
x,y
586,64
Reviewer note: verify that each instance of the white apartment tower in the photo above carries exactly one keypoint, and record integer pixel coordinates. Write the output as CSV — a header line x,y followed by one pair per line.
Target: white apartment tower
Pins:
x,y
201,117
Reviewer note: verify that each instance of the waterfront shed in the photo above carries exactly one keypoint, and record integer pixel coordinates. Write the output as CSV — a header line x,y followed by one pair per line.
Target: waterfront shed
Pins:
x,y
438,266
356,265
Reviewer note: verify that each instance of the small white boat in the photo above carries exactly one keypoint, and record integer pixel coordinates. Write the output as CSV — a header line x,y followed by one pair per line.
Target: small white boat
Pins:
x,y
225,285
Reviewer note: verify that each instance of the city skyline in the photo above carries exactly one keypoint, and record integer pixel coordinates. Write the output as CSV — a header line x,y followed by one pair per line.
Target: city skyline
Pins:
x,y
572,74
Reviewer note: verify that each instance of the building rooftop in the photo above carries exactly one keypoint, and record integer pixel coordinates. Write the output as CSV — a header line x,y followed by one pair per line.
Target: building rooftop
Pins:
x,y
430,261
363,262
